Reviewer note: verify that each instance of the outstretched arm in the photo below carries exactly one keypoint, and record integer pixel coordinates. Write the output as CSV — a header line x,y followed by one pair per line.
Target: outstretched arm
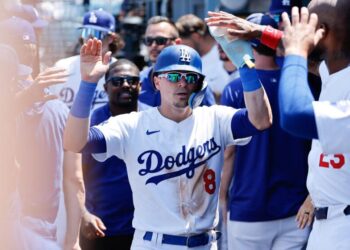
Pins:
x,y
241,53
74,197
295,97
92,68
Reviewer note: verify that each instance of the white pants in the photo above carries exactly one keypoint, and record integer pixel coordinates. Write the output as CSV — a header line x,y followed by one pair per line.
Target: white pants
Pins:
x,y
268,235
139,243
331,233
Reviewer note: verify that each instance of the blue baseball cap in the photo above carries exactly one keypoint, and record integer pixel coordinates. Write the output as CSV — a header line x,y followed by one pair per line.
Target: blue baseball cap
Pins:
x,y
262,19
17,29
99,20
29,13
178,57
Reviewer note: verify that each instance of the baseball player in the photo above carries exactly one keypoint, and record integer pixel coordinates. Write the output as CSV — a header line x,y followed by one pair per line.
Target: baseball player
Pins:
x,y
328,179
99,24
107,222
173,153
326,35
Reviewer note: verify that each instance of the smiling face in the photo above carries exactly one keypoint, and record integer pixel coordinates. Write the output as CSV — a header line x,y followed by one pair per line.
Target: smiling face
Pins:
x,y
123,86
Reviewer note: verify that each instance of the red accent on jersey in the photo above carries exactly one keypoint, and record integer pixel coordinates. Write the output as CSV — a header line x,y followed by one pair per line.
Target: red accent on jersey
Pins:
x,y
209,181
337,162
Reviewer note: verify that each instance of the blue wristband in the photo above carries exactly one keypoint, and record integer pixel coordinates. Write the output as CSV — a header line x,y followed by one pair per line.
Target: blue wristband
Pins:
x,y
82,103
250,79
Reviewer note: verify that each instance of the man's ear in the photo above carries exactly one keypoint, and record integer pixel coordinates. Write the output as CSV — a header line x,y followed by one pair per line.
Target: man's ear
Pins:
x,y
324,26
156,82
178,40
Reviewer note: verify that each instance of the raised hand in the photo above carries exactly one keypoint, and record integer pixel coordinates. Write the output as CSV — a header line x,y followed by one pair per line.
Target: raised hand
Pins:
x,y
92,65
236,26
37,91
301,36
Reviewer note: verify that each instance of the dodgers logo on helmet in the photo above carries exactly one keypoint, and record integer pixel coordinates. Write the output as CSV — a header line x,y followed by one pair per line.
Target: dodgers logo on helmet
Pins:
x,y
178,57
185,56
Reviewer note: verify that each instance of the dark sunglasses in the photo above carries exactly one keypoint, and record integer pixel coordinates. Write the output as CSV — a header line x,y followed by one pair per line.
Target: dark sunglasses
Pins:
x,y
87,33
118,81
175,77
160,40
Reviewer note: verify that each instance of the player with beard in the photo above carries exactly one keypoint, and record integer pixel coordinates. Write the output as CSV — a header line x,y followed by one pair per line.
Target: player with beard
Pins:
x,y
106,223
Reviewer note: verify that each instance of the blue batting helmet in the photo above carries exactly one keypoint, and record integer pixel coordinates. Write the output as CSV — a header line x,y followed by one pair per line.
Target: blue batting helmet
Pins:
x,y
182,58
178,57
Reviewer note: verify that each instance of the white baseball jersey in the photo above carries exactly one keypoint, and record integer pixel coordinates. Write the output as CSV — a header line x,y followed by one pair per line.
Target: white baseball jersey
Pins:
x,y
174,168
329,175
68,90
333,125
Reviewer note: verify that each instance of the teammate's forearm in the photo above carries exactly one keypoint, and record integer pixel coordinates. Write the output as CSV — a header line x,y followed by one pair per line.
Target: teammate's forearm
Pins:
x,y
227,172
257,103
78,123
74,196
295,99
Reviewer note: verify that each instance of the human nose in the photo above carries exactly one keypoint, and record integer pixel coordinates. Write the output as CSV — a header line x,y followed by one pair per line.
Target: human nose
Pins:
x,y
182,82
125,84
153,43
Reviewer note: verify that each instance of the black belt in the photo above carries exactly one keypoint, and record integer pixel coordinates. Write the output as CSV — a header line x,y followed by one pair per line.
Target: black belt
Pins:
x,y
189,241
321,213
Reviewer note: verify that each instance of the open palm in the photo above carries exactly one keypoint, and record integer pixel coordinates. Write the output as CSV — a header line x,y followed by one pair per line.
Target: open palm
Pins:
x,y
92,65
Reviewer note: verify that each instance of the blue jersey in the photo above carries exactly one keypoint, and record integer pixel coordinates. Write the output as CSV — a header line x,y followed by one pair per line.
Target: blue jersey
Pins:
x,y
108,192
270,172
151,97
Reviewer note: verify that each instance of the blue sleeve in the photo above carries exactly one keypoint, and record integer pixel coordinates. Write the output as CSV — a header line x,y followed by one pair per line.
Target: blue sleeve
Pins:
x,y
96,142
241,126
295,99
209,98
232,95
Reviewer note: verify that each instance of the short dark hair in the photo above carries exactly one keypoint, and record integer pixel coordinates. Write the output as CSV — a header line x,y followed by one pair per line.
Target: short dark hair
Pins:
x,y
264,50
163,19
188,24
119,63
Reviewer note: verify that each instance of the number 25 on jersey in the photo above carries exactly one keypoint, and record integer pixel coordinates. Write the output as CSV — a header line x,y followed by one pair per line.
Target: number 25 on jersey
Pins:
x,y
334,161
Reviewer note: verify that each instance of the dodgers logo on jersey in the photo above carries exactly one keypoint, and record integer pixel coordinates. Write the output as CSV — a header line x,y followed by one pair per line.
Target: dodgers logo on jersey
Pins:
x,y
185,56
185,162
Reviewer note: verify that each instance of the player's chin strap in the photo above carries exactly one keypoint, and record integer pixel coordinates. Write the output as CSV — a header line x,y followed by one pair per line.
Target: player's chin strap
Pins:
x,y
196,98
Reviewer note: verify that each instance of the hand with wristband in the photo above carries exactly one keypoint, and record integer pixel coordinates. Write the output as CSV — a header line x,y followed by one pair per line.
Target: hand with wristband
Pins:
x,y
243,29
92,68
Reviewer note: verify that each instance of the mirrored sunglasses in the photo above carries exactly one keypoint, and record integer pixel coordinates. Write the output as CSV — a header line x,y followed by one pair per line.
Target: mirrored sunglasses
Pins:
x,y
175,77
160,40
87,33
118,81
